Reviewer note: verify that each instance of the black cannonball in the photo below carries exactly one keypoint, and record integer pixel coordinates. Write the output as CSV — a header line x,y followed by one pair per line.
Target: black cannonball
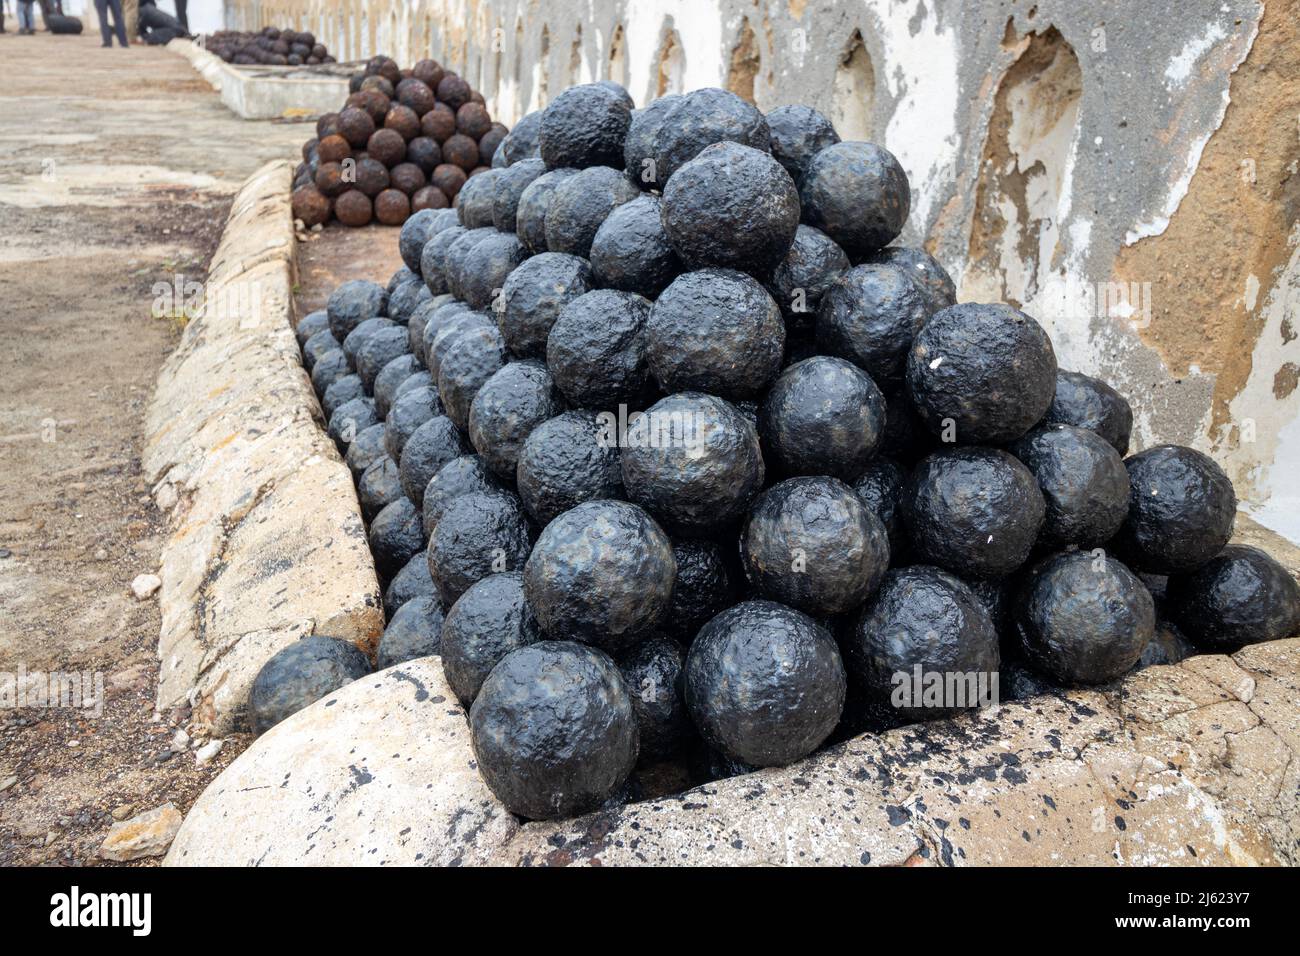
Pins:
x,y
530,211
378,487
973,511
510,187
396,535
1181,508
485,624
764,683
856,193
362,334
822,416
366,449
631,250
487,267
480,533
1084,484
812,544
870,315
984,373
1240,596
301,674
414,631
1083,618
553,730
341,391
733,207
514,401
799,280
407,299
328,369
601,573
457,255
443,331
390,376
411,582
930,276
435,443
693,462
460,476
433,258
698,120
320,343
533,295
471,359
415,233
406,415
705,587
580,203
584,126
564,462
430,320
379,349
1087,402
715,331
1168,645
596,349
639,144
881,486
477,199
310,324
353,302
521,142
798,133
350,419
922,617
653,672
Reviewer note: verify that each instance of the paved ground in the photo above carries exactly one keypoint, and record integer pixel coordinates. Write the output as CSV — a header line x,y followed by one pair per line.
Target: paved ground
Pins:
x,y
116,168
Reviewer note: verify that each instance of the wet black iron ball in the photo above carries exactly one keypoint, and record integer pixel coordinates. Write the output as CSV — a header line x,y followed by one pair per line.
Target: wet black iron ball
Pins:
x,y
653,672
856,193
715,331
1087,402
801,279
533,295
379,349
922,617
985,373
596,349
732,207
407,414
328,369
1240,596
1083,618
880,486
822,416
563,463
390,377
318,344
442,333
340,391
870,315
925,270
580,203
639,144
704,588
553,730
631,250
476,200
507,408
378,486
584,126
698,120
1181,508
487,266
350,419
693,462
511,184
460,476
764,684
435,443
396,535
362,334
415,233
301,674
798,134
530,212
473,358
1084,484
410,582
973,511
480,533
413,631
812,544
601,573
489,621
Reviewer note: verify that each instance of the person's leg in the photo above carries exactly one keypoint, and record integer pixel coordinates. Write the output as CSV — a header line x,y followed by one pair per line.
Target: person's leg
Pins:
x,y
101,11
119,21
181,16
25,20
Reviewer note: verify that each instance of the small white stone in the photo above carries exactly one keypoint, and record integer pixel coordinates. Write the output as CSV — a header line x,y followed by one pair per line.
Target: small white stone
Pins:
x,y
180,740
165,497
145,585
203,756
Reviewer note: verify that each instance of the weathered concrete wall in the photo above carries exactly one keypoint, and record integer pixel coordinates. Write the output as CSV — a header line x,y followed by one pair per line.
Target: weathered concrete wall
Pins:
x,y
1125,173
265,540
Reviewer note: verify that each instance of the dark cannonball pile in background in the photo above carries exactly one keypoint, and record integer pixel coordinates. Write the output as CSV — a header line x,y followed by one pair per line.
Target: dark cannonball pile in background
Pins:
x,y
269,46
676,458
404,141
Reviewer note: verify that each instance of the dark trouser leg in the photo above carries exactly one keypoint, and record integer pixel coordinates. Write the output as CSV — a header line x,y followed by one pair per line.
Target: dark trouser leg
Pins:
x,y
180,14
119,21
101,10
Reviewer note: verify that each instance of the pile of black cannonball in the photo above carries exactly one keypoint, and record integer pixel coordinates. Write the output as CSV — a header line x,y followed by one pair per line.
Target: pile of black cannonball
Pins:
x,y
671,455
269,46
405,141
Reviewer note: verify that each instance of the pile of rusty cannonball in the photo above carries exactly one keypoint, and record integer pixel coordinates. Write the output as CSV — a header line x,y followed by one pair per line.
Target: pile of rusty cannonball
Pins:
x,y
405,140
672,454
269,46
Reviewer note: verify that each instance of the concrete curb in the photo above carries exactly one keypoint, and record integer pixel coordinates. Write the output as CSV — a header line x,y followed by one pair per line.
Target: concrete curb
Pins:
x,y
266,542
257,95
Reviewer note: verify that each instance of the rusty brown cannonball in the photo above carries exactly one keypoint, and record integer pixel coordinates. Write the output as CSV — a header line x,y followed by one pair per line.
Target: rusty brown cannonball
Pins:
x,y
476,97
356,126
333,149
384,66
461,150
473,120
387,146
454,91
430,197
403,120
353,208
439,123
407,177
329,179
310,205
307,147
377,83
429,72
376,104
372,176
392,207
327,125
424,152
417,95
489,141
448,178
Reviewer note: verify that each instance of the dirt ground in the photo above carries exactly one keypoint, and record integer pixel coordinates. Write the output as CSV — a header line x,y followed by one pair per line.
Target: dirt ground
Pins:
x,y
116,172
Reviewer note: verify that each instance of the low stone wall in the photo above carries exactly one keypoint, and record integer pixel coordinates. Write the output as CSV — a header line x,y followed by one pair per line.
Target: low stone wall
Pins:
x,y
267,92
266,542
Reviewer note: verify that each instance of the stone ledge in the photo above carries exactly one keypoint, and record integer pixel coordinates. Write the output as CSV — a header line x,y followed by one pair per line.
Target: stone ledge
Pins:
x,y
266,543
266,92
